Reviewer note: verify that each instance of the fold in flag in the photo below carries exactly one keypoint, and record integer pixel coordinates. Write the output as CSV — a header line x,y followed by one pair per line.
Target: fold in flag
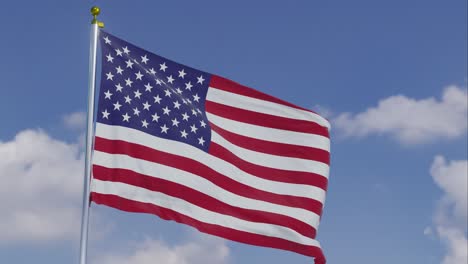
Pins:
x,y
202,150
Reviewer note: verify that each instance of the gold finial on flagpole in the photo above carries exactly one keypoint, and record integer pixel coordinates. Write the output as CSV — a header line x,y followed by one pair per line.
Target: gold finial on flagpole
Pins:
x,y
95,11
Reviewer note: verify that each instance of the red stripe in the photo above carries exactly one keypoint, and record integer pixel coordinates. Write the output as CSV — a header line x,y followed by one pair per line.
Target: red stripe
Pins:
x,y
274,148
217,230
200,169
269,173
233,87
266,120
200,199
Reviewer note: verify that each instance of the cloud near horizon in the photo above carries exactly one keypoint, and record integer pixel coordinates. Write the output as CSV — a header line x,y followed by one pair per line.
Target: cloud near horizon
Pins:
x,y
411,121
450,217
201,249
42,182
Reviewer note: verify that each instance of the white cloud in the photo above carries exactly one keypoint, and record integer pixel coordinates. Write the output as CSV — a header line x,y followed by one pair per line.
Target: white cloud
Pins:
x,y
410,120
76,120
457,244
453,180
200,250
41,188
450,218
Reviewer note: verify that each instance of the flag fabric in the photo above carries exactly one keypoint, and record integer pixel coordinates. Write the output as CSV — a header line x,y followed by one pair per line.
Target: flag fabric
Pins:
x,y
202,150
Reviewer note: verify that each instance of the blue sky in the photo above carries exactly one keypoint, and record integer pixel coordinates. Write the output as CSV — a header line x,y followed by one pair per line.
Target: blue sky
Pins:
x,y
397,68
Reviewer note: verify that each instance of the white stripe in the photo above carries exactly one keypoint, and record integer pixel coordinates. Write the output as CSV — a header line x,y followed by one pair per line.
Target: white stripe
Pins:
x,y
270,134
272,161
219,165
155,170
183,207
261,106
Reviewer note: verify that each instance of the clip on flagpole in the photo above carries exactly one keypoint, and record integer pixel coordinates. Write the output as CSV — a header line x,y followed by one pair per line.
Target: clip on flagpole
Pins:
x,y
95,25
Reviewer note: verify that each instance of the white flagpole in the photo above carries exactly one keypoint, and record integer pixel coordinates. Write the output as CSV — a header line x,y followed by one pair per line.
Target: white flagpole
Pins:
x,y
95,24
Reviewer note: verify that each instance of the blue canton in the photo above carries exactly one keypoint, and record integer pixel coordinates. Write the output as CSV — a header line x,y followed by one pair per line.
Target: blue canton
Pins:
x,y
144,91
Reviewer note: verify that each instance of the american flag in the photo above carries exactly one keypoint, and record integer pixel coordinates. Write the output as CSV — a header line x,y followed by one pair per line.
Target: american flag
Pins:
x,y
202,150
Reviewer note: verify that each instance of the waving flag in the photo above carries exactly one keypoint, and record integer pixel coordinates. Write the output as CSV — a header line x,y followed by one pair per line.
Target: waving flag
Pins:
x,y
202,150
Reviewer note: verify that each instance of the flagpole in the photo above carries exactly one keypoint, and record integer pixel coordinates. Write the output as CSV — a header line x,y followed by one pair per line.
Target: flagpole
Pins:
x,y
95,24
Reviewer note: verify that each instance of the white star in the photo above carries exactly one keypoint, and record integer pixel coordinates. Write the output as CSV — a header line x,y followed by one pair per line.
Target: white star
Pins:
x,y
148,87
108,94
138,75
183,134
167,93
119,52
200,79
199,111
194,112
178,90
129,64
146,106
137,94
155,117
170,79
202,123
158,82
144,124
185,117
110,58
117,106
126,50
119,70
110,76
188,86
196,98
175,122
164,129
105,114
152,71
128,99
201,141
144,59
118,87
177,104
126,117
166,110
157,99
182,73
128,82
163,67
193,128
136,111
184,101
107,40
